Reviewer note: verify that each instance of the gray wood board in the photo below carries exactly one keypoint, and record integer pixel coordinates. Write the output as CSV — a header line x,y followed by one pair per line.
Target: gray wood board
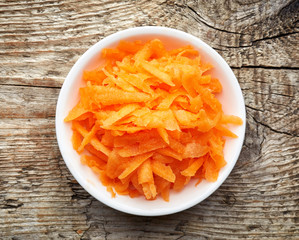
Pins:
x,y
39,43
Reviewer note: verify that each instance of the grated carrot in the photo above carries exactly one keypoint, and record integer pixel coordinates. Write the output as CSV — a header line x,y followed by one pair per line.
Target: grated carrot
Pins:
x,y
149,120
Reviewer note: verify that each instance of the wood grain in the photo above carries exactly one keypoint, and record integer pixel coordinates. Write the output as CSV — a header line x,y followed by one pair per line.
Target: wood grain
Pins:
x,y
41,40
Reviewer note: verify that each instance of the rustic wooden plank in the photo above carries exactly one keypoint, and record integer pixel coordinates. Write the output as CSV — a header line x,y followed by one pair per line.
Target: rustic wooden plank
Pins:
x,y
36,198
41,40
272,95
25,102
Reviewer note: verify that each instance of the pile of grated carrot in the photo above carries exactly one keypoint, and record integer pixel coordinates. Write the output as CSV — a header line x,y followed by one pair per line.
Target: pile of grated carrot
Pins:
x,y
148,120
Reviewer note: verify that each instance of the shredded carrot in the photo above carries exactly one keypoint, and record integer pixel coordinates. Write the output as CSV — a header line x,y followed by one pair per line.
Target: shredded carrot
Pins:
x,y
148,120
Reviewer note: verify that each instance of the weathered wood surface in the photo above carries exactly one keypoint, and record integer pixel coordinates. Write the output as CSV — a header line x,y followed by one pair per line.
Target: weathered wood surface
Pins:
x,y
41,40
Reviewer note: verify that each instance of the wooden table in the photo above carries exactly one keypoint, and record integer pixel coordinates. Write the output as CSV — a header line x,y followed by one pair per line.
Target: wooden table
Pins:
x,y
39,43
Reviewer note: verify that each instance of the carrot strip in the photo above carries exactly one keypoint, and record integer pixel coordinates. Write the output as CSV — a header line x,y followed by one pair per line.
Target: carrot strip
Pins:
x,y
94,141
191,170
163,158
76,112
110,189
143,54
87,138
96,153
115,165
170,153
130,47
93,161
143,147
165,193
163,171
76,140
96,76
231,119
116,116
149,190
100,95
136,185
134,164
225,132
145,173
195,150
179,183
211,173
164,77
163,134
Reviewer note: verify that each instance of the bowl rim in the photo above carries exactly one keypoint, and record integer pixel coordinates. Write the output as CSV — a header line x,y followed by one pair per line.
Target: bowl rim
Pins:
x,y
115,37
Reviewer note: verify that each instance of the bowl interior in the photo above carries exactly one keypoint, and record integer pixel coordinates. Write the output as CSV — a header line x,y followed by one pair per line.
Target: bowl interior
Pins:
x,y
232,103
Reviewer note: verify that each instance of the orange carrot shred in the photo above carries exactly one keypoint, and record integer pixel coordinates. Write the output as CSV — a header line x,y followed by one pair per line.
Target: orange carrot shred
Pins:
x,y
163,171
170,153
145,173
94,141
179,183
191,170
110,189
135,184
163,158
93,161
231,119
87,138
76,112
165,193
211,173
130,47
76,140
134,164
163,134
96,153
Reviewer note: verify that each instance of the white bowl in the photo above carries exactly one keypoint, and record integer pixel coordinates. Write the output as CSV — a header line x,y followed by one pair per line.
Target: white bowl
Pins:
x,y
232,103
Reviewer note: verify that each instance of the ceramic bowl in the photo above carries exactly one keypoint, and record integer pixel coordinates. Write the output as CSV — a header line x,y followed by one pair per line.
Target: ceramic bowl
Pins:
x,y
232,103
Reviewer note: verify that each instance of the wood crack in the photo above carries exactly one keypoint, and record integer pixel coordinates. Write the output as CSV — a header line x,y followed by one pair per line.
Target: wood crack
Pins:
x,y
29,86
274,130
85,232
252,43
266,67
274,37
235,47
12,204
200,19
255,109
